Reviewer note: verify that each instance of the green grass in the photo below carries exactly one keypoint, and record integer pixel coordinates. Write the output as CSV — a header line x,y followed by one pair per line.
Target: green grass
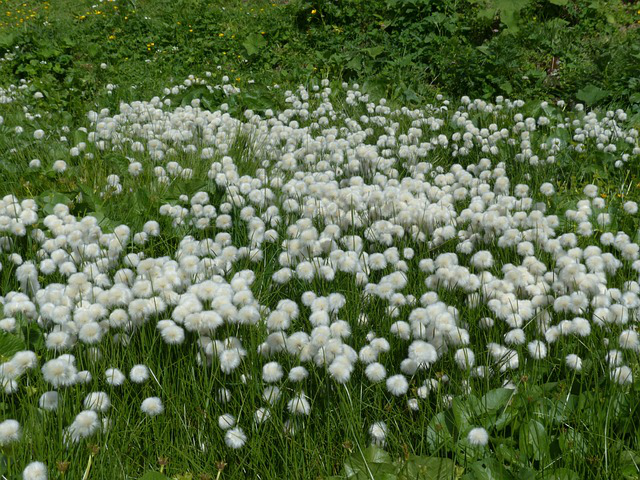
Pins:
x,y
556,424
584,418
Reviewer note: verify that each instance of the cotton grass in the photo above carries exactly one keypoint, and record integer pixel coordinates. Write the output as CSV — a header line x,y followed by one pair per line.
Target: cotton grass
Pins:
x,y
395,262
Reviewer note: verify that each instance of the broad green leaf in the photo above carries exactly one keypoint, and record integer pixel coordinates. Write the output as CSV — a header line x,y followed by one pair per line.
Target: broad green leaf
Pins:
x,y
562,474
592,94
33,338
254,43
526,473
465,410
355,63
93,50
630,464
534,442
257,101
428,468
437,18
411,96
9,345
438,431
496,399
7,40
489,469
562,409
90,199
154,476
105,223
49,200
486,13
510,20
375,454
510,12
513,5
506,87
373,460
620,406
193,94
559,2
507,453
365,471
572,442
9,167
375,51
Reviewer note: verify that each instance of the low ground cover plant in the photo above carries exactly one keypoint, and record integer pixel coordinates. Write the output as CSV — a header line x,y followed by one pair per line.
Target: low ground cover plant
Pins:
x,y
330,287
319,239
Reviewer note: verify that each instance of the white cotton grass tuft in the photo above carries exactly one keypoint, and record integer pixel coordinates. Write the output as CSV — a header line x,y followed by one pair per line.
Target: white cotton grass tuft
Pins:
x,y
478,437
139,373
465,358
226,421
515,336
272,372
340,369
229,360
90,333
48,401
114,377
83,426
271,394
97,401
299,405
152,406
84,376
173,335
59,372
397,385
378,433
25,360
375,372
35,471
298,374
338,209
59,166
423,353
537,350
574,362
261,415
235,438
10,432
629,340
622,375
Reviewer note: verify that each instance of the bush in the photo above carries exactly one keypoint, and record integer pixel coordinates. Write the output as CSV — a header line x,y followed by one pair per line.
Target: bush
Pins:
x,y
575,50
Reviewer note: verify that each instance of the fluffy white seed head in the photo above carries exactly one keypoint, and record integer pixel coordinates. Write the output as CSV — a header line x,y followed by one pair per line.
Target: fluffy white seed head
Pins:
x,y
35,471
478,437
10,432
152,406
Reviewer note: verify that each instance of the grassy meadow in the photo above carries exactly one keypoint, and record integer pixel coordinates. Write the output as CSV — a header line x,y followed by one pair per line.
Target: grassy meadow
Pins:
x,y
383,240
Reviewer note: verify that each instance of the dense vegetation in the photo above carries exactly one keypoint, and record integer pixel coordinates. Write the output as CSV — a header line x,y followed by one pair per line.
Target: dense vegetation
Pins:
x,y
382,240
405,50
